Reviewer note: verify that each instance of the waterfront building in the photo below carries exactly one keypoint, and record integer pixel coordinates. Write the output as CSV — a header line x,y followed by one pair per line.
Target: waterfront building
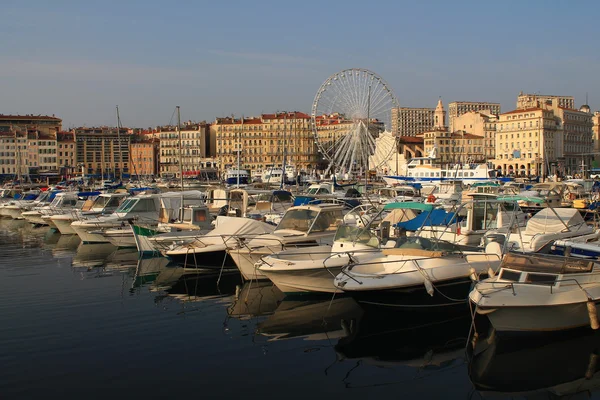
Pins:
x,y
194,138
262,141
458,146
13,153
525,100
42,123
144,157
458,108
65,143
407,121
596,138
482,124
103,151
546,140
41,152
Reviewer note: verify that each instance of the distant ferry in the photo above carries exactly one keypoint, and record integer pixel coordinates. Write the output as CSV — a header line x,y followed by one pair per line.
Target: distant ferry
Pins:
x,y
231,177
427,169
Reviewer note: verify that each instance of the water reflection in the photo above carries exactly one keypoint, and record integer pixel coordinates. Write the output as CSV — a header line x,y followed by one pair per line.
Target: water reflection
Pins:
x,y
311,319
563,365
255,299
92,255
21,232
187,285
147,270
66,246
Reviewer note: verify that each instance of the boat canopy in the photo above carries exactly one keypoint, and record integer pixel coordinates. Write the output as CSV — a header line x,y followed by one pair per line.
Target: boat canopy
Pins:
x,y
552,220
414,205
437,217
529,199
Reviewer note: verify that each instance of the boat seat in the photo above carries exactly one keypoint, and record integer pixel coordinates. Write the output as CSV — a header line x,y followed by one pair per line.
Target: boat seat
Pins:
x,y
412,252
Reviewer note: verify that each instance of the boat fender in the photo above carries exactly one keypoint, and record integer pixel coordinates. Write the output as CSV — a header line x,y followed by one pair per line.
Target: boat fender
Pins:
x,y
593,314
591,369
473,274
429,287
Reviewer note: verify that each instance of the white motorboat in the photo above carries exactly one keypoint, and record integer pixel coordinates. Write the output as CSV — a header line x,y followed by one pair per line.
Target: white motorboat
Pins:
x,y
210,250
14,208
62,202
548,225
194,222
416,272
298,270
143,208
178,213
104,204
301,226
470,221
540,293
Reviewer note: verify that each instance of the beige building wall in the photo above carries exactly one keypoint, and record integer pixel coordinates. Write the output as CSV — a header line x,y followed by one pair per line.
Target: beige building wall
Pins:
x,y
263,140
528,141
480,124
540,100
596,136
458,108
144,158
455,147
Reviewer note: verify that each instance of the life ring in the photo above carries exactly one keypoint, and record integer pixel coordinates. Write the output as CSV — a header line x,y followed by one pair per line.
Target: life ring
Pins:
x,y
431,198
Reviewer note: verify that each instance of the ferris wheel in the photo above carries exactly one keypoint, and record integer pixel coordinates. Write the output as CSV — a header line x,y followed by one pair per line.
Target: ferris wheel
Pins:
x,y
351,108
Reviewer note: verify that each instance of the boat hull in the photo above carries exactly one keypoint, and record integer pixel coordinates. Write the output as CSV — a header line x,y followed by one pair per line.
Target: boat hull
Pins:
x,y
64,226
303,281
245,261
538,318
86,235
448,293
209,259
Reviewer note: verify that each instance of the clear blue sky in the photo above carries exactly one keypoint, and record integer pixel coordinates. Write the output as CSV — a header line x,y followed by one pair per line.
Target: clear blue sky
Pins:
x,y
79,59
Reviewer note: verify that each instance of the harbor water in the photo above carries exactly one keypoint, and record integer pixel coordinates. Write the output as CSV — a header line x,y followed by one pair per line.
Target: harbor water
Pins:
x,y
96,322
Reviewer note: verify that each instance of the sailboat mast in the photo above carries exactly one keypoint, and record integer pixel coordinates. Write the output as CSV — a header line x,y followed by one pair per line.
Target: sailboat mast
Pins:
x,y
180,149
120,163
283,176
239,149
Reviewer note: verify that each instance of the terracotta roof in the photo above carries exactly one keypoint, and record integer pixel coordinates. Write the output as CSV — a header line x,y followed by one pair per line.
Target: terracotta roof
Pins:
x,y
28,117
464,135
410,140
523,110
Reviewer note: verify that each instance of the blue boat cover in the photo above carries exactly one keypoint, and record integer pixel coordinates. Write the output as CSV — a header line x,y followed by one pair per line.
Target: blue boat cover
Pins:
x,y
437,217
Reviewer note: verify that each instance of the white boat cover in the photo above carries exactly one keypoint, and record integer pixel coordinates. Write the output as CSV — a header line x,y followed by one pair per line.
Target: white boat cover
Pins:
x,y
228,227
554,220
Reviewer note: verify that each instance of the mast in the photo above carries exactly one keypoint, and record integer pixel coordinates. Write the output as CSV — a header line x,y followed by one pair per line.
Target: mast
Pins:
x,y
283,174
180,151
239,149
102,160
120,163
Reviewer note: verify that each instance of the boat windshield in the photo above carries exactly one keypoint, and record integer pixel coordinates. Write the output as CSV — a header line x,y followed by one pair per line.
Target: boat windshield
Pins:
x,y
144,205
318,190
127,205
421,243
298,220
354,234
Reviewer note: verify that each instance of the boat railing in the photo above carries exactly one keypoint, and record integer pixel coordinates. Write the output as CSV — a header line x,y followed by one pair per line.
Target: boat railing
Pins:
x,y
550,283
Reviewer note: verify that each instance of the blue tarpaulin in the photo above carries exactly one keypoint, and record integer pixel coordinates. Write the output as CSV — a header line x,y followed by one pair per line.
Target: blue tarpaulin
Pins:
x,y
436,217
